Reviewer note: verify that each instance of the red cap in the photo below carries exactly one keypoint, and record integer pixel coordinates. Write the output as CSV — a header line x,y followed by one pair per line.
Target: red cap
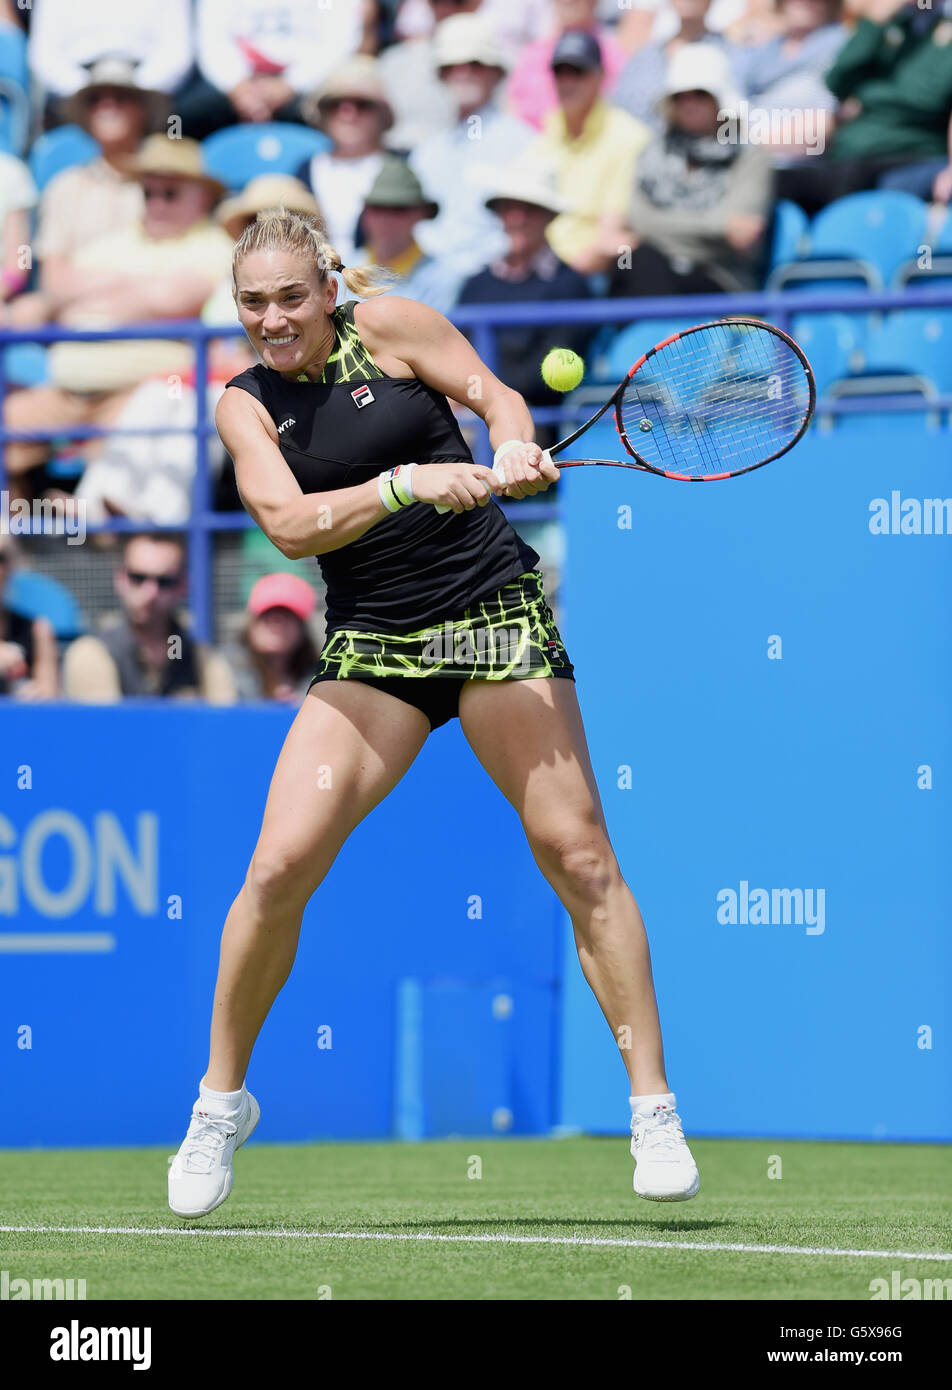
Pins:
x,y
282,591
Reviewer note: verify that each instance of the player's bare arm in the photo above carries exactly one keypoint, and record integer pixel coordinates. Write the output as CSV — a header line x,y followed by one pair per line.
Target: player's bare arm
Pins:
x,y
410,339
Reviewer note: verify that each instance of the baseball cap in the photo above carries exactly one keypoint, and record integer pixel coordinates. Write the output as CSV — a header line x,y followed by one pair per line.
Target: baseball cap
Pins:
x,y
577,48
282,591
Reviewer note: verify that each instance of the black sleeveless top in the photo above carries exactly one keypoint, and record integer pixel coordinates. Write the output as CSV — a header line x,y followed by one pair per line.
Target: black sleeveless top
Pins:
x,y
416,567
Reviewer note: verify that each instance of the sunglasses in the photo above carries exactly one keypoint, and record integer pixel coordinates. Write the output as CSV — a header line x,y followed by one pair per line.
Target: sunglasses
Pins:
x,y
167,194
362,104
163,581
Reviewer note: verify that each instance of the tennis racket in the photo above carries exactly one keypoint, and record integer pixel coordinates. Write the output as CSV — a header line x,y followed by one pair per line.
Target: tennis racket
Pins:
x,y
708,403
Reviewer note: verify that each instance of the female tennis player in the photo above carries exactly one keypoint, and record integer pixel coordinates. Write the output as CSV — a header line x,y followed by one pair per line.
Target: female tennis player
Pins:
x,y
344,447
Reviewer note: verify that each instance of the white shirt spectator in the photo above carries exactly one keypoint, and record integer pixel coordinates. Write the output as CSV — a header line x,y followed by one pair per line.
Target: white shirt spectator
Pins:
x,y
17,189
454,168
66,34
305,39
340,186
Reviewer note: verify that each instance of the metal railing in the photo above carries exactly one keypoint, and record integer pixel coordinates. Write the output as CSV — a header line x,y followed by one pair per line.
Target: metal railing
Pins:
x,y
481,323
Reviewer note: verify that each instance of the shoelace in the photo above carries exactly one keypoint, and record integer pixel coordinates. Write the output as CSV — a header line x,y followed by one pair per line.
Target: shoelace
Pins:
x,y
207,1136
660,1132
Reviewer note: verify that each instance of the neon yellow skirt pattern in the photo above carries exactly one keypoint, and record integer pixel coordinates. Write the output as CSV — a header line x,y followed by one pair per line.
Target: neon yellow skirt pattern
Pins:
x,y
510,636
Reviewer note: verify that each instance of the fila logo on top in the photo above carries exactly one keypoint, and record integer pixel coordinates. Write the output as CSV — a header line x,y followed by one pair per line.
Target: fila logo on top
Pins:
x,y
286,424
362,396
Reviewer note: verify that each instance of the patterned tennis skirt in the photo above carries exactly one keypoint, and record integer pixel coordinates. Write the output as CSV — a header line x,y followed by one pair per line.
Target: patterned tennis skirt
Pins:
x,y
510,636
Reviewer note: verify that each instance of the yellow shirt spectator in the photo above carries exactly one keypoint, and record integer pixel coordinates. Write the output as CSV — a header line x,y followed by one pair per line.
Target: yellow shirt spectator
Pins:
x,y
595,173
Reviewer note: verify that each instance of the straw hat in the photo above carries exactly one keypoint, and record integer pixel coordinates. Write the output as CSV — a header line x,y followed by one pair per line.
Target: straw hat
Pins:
x,y
178,159
263,193
113,70
358,77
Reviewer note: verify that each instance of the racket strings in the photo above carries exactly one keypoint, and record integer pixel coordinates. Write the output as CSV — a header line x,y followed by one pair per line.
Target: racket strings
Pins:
x,y
720,400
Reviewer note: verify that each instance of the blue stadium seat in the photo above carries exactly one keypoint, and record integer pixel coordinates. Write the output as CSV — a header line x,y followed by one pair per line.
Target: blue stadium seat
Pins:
x,y
936,273
637,338
913,341
25,364
241,152
864,237
14,99
887,227
60,149
39,596
790,233
832,343
13,64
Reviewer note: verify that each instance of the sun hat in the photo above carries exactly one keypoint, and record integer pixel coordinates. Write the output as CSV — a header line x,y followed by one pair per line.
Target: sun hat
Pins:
x,y
699,67
358,77
114,70
179,159
397,186
467,38
280,590
527,181
262,193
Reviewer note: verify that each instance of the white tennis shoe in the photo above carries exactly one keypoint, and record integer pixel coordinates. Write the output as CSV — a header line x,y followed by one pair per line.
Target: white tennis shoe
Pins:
x,y
665,1170
201,1175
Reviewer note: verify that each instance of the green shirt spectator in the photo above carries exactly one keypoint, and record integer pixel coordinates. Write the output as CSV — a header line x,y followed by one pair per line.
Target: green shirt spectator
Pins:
x,y
893,78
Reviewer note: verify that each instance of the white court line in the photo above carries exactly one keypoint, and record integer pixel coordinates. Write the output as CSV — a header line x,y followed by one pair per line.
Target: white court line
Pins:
x,y
478,1240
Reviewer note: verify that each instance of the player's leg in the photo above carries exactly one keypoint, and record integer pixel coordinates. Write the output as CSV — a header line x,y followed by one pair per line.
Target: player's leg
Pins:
x,y
347,748
528,734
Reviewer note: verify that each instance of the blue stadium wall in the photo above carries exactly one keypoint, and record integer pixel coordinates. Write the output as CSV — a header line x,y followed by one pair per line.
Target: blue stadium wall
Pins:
x,y
436,989
766,684
423,1000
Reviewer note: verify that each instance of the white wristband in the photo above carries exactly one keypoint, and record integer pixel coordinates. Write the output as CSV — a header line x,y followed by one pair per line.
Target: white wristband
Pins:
x,y
395,487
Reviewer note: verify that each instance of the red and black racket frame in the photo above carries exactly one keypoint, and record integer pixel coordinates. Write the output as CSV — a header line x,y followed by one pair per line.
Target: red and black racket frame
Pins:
x,y
641,464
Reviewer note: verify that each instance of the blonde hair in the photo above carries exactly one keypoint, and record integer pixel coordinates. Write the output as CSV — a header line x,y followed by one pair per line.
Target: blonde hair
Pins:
x,y
304,234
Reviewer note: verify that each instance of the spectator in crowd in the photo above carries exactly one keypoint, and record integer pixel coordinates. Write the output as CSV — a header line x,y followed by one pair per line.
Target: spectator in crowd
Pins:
x,y
421,103
17,197
737,21
87,201
451,164
641,81
164,267
700,206
394,208
28,654
532,91
256,60
275,656
353,110
515,25
783,79
593,146
65,37
525,200
893,80
149,477
146,648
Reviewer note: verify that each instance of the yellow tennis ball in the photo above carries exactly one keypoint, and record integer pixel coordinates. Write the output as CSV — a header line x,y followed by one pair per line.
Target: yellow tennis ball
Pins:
x,y
562,369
